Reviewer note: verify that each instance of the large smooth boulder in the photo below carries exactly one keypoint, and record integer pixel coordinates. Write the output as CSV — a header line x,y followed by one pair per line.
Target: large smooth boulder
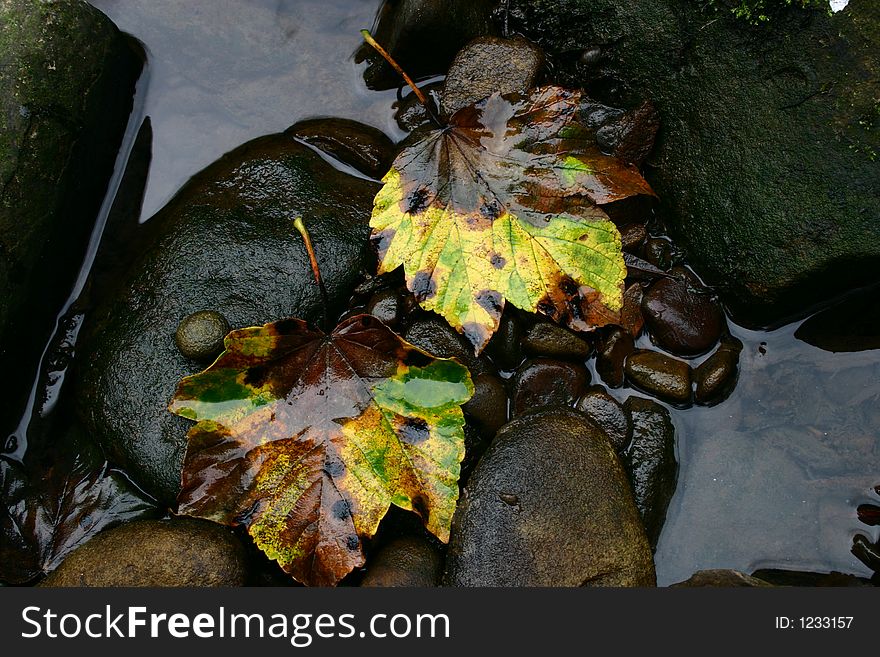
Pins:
x,y
226,242
767,159
549,505
67,79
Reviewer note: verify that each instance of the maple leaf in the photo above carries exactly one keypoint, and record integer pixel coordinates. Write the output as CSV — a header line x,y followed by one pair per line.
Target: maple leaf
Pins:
x,y
307,438
501,205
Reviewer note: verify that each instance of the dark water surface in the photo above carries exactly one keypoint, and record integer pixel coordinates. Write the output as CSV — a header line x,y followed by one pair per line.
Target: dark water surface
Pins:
x,y
769,478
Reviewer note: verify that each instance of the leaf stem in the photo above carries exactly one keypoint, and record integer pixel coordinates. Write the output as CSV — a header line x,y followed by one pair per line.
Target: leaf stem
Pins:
x,y
412,85
301,228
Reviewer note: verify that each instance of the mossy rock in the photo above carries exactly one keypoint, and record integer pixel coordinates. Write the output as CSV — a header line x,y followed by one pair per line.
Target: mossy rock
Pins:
x,y
768,157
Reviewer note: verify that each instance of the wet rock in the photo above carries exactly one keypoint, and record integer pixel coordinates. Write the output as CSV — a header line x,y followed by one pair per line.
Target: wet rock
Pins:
x,y
548,505
67,79
409,113
632,236
650,462
742,107
545,382
363,147
180,552
423,36
851,325
660,375
200,336
226,236
716,376
630,137
613,349
609,414
408,561
489,65
386,306
436,337
658,252
548,339
721,578
505,346
682,315
488,406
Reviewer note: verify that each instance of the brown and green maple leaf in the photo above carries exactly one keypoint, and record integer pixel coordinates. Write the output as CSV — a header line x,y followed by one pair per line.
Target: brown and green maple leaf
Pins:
x,y
307,438
502,205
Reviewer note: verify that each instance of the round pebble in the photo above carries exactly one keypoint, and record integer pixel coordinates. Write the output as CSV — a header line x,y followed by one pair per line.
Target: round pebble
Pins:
x,y
200,336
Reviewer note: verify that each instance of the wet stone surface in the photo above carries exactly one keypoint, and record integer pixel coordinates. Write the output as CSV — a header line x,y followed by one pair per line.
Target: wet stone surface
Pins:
x,y
661,376
651,463
179,552
551,340
200,336
682,315
609,414
548,505
490,65
410,561
546,382
614,346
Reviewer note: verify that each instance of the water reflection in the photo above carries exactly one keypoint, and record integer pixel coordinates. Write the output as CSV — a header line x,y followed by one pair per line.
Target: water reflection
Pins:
x,y
226,71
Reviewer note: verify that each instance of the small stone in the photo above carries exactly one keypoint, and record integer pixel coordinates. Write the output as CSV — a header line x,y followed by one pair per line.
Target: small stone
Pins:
x,y
660,375
504,348
386,307
658,252
682,315
650,462
632,236
409,561
363,147
545,382
716,376
180,552
548,339
437,338
609,414
489,65
200,336
409,113
614,348
488,406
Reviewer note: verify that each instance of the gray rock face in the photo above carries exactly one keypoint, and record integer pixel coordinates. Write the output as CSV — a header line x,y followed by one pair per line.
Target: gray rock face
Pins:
x,y
548,505
179,552
225,242
66,83
489,65
408,561
650,462
767,159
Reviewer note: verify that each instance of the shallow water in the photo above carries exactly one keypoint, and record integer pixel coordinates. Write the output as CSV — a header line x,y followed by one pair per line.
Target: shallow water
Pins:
x,y
769,478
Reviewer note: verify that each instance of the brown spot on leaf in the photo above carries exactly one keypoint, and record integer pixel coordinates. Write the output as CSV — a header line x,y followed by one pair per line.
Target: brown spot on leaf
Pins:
x,y
423,286
414,430
498,261
489,300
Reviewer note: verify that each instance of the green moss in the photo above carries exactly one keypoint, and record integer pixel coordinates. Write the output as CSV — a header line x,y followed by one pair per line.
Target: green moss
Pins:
x,y
761,11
